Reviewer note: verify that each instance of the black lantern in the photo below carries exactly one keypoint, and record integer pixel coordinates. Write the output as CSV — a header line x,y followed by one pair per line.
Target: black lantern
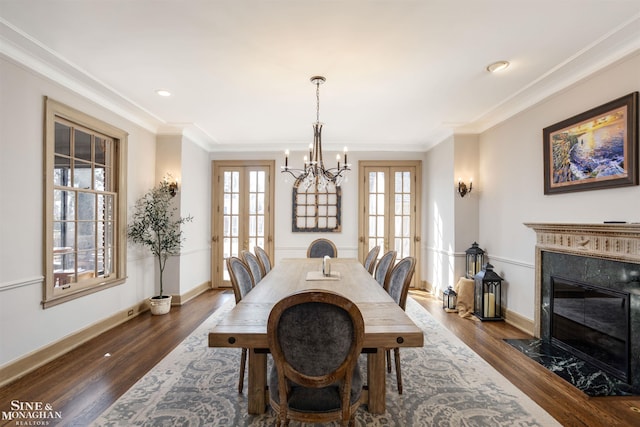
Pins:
x,y
475,261
488,301
449,299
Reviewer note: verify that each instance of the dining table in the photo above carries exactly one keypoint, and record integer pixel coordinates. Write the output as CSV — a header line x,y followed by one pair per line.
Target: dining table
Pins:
x,y
386,324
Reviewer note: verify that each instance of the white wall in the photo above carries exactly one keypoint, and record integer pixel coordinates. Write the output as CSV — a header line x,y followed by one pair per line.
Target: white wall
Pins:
x,y
439,230
511,165
24,325
195,200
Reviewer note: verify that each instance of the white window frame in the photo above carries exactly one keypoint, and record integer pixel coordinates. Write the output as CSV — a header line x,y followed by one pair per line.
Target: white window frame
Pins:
x,y
52,294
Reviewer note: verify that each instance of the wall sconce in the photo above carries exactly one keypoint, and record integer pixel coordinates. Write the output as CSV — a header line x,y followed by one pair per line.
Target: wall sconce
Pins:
x,y
173,188
463,190
172,183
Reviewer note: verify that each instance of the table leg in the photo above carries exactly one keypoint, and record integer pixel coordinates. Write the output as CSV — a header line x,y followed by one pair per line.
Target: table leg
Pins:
x,y
376,376
257,382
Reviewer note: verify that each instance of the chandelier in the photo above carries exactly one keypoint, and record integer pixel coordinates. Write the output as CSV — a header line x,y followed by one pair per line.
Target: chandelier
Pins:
x,y
314,172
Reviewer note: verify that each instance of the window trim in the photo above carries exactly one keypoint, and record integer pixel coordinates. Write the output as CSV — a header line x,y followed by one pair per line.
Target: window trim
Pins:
x,y
53,110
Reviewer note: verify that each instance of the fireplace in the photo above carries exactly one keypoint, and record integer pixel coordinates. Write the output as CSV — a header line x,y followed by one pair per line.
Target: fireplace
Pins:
x,y
591,322
588,294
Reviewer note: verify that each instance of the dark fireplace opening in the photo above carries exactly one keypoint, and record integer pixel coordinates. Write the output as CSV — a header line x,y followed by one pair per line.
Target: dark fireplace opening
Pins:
x,y
592,322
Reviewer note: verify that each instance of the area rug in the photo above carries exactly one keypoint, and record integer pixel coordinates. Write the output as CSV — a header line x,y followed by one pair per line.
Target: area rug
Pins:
x,y
444,384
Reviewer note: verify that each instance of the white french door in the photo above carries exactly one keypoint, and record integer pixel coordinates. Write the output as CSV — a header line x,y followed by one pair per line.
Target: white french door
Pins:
x,y
390,208
241,214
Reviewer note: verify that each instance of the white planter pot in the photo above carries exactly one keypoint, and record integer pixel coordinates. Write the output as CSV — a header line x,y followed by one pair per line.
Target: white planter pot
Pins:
x,y
160,305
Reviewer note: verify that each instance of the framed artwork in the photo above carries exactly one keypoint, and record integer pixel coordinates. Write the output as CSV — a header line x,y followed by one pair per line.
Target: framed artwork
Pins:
x,y
316,210
593,150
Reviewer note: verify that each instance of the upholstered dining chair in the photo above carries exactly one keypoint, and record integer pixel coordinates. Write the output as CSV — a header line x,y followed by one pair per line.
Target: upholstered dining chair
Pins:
x,y
398,287
263,257
370,261
384,266
315,338
321,247
254,266
242,283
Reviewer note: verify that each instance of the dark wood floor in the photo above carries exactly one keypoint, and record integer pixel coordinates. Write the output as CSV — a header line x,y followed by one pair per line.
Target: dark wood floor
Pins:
x,y
84,382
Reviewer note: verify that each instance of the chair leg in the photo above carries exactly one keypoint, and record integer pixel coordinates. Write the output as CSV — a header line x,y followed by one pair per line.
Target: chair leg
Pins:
x,y
396,356
243,363
388,361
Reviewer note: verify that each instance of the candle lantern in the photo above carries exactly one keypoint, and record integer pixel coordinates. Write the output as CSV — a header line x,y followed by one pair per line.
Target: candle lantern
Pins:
x,y
488,301
475,260
449,299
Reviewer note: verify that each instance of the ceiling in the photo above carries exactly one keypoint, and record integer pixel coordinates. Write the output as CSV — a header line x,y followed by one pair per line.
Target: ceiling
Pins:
x,y
401,74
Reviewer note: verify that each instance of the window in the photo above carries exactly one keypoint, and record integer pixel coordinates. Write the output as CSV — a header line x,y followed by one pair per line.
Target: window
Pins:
x,y
315,209
85,202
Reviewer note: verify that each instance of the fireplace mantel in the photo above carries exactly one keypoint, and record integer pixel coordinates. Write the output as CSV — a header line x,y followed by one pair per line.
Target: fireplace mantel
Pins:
x,y
617,242
620,242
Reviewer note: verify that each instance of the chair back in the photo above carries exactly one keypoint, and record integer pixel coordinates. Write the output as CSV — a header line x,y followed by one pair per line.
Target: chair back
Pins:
x,y
315,338
241,279
321,247
263,257
399,280
383,269
254,266
370,260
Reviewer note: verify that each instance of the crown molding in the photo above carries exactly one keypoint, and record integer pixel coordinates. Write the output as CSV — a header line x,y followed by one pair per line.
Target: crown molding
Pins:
x,y
25,51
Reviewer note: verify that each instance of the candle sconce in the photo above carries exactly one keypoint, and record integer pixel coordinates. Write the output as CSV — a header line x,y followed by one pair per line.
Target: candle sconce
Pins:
x,y
172,183
463,190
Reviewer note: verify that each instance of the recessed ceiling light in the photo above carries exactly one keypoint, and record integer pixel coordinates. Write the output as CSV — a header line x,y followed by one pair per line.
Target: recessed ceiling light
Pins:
x,y
163,92
497,66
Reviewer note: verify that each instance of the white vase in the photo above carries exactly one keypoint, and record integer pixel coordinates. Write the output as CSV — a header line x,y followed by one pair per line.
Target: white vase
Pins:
x,y
160,305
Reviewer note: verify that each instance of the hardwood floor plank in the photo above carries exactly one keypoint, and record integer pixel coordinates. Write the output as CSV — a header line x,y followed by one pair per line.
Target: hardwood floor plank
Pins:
x,y
83,383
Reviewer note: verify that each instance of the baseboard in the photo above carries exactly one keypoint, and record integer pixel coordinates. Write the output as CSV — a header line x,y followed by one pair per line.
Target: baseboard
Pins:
x,y
519,321
22,366
190,294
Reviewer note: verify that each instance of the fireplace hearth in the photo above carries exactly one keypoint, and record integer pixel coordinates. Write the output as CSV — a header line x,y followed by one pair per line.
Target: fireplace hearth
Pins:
x,y
588,305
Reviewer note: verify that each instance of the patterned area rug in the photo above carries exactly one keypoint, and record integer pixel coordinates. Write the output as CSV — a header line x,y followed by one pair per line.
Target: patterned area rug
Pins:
x,y
444,384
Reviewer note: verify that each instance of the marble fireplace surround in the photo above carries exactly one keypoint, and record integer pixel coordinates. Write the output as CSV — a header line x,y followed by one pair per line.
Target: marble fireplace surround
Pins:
x,y
606,255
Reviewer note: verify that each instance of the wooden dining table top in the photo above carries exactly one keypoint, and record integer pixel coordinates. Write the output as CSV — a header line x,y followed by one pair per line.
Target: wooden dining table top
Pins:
x,y
386,324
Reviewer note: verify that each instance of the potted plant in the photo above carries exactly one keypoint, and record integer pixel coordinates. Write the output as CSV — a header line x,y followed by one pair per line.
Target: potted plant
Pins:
x,y
154,224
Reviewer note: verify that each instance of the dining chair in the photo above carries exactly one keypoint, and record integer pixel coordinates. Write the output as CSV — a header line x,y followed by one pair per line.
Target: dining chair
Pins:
x,y
370,260
263,257
384,266
315,376
321,247
398,288
254,266
242,283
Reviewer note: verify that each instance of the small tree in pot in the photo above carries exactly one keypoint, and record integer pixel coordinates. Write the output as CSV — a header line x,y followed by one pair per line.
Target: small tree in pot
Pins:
x,y
154,224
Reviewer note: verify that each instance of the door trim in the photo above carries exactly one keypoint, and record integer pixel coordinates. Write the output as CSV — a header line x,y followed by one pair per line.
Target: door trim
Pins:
x,y
216,223
362,222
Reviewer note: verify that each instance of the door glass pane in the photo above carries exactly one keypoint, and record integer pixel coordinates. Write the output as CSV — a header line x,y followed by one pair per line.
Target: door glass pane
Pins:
x,y
402,212
230,211
256,213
